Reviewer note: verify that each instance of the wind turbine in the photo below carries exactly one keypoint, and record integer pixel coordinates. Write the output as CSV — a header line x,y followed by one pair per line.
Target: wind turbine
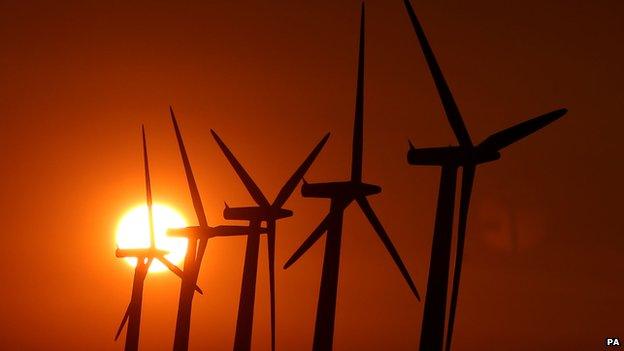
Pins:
x,y
467,156
197,241
264,212
341,195
145,257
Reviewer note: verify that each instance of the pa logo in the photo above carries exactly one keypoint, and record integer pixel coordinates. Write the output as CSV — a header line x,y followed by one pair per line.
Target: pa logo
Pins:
x,y
612,342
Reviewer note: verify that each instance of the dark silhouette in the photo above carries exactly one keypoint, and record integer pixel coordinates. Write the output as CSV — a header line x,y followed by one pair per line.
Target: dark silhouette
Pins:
x,y
341,195
145,257
264,212
197,241
467,156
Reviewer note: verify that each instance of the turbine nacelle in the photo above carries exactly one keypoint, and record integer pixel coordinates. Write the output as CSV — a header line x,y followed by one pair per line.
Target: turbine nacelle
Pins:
x,y
450,155
348,189
486,151
255,213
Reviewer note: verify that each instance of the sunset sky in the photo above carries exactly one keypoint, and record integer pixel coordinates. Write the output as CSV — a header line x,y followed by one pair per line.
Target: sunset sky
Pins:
x,y
78,78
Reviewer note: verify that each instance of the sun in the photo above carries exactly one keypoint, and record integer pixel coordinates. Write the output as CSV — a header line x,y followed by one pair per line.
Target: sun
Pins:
x,y
133,232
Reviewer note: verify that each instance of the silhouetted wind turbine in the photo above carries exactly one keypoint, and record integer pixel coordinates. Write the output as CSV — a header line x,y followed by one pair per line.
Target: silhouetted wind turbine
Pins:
x,y
197,241
467,156
341,195
264,212
145,257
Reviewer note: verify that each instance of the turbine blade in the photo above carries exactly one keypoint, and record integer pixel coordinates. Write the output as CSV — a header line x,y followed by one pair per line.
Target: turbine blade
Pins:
x,y
448,102
201,248
176,270
358,124
271,249
385,239
148,191
194,254
197,204
252,188
510,135
147,266
291,184
468,173
123,321
316,234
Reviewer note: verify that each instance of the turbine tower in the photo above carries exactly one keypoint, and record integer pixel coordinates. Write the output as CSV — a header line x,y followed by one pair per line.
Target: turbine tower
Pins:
x,y
342,194
145,257
197,241
467,156
264,212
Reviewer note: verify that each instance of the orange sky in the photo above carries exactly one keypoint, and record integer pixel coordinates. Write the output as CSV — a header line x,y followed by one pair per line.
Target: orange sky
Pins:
x,y
77,79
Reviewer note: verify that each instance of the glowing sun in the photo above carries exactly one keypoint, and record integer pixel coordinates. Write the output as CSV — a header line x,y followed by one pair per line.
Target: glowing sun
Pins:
x,y
133,232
